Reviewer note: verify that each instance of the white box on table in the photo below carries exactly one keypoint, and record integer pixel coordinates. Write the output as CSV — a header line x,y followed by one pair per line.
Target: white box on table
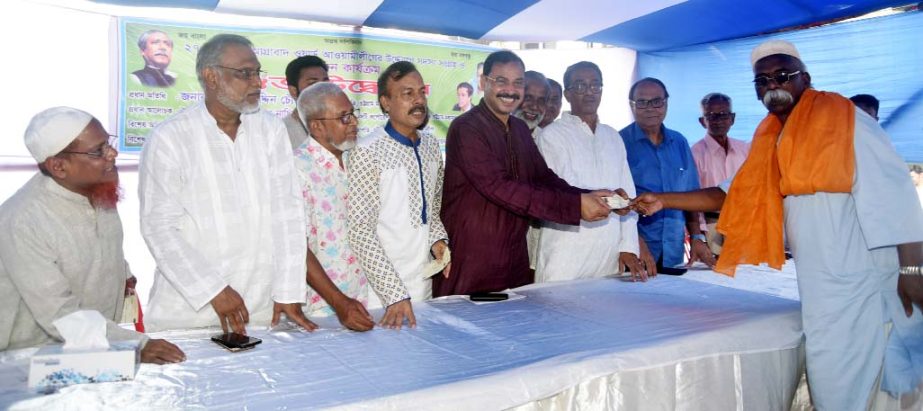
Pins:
x,y
53,367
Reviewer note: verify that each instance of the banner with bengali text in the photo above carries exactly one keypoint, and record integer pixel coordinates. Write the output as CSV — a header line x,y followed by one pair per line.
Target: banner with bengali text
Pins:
x,y
147,97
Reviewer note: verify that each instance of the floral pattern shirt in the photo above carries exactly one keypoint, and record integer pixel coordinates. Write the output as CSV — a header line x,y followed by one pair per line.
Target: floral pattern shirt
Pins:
x,y
326,198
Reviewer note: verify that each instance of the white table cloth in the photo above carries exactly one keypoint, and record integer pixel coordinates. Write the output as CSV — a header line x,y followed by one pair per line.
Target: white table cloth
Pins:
x,y
670,343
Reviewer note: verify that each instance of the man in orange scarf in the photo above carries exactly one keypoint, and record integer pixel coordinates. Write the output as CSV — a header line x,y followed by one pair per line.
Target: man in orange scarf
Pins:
x,y
827,173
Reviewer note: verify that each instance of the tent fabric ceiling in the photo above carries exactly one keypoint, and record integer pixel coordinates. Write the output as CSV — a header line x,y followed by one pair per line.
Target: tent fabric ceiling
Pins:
x,y
649,25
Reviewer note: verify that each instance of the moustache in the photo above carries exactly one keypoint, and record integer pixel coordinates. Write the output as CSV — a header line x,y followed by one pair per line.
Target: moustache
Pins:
x,y
777,97
508,95
417,109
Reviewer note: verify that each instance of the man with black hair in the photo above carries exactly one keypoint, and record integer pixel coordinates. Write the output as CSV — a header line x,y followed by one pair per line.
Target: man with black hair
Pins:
x,y
661,160
395,195
587,153
495,182
464,91
300,74
868,103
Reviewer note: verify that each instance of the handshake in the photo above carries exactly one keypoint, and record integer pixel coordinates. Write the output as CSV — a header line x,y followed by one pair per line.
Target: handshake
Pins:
x,y
597,205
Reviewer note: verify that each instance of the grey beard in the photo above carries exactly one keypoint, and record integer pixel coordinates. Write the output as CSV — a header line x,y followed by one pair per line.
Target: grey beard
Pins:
x,y
241,107
532,124
777,97
346,145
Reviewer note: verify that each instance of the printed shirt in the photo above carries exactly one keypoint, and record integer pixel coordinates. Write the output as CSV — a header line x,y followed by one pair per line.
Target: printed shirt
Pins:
x,y
326,203
395,191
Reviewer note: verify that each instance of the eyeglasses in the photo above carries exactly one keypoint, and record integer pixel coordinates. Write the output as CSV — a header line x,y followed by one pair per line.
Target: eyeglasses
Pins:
x,y
583,88
503,82
718,116
247,74
778,78
345,119
653,103
111,144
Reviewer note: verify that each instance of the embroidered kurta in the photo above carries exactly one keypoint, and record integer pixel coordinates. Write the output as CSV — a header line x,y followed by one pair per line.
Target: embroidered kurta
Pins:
x,y
216,213
592,161
326,203
667,167
395,195
495,182
58,255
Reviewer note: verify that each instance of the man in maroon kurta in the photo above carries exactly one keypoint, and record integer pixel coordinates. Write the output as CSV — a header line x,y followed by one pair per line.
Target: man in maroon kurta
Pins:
x,y
495,182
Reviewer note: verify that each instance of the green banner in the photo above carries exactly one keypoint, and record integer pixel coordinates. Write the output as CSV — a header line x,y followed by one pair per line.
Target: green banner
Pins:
x,y
149,96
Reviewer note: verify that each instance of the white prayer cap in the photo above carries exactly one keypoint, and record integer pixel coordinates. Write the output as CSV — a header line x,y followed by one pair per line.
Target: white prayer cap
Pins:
x,y
771,47
51,130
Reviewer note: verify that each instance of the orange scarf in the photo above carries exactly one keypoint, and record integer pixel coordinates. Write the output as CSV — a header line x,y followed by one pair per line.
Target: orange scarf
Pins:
x,y
814,154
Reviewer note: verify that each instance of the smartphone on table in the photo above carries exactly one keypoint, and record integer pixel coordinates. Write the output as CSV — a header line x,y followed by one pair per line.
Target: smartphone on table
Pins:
x,y
488,296
234,342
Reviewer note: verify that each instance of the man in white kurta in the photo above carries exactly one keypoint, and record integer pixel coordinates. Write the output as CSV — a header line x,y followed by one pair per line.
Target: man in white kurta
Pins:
x,y
847,249
591,160
590,155
395,193
221,208
62,251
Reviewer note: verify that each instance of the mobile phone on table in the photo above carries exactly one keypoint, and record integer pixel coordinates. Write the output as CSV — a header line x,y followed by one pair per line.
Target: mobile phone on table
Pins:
x,y
234,342
488,296
671,270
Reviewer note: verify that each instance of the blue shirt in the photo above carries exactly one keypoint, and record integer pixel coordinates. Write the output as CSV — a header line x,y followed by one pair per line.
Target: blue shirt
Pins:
x,y
668,167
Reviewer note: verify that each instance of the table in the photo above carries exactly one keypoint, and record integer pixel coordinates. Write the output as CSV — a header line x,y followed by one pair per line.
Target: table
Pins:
x,y
606,343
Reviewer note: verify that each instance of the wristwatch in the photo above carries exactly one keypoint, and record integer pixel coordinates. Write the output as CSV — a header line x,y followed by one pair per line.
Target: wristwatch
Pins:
x,y
701,237
911,270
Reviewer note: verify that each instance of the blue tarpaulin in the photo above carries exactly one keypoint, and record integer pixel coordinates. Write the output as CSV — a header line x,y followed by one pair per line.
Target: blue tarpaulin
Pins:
x,y
881,56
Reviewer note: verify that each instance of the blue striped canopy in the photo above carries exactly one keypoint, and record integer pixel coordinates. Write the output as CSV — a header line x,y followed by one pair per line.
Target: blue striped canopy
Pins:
x,y
646,25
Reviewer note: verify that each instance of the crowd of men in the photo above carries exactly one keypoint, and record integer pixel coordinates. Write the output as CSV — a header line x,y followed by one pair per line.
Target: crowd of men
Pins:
x,y
250,217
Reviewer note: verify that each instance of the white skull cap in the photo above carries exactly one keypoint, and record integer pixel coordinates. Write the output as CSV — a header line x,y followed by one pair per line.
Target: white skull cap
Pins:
x,y
772,47
51,130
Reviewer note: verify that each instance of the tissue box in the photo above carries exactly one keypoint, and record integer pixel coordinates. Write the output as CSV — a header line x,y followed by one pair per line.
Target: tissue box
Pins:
x,y
52,367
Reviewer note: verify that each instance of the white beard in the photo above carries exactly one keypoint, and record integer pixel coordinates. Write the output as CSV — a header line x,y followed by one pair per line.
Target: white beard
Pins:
x,y
777,97
240,107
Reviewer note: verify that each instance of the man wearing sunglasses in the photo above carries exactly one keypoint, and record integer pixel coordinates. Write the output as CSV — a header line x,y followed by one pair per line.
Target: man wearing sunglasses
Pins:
x,y
338,283
827,173
221,210
717,156
62,247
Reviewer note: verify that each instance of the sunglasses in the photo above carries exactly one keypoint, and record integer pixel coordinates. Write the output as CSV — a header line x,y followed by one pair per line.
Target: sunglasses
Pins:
x,y
778,78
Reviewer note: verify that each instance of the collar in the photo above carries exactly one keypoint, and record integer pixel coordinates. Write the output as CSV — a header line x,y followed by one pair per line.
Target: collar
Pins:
x,y
483,110
51,186
713,145
400,138
638,134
